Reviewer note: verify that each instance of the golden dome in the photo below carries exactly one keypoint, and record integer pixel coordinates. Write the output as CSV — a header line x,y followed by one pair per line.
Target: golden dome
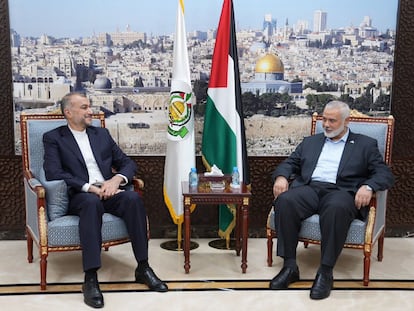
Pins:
x,y
270,63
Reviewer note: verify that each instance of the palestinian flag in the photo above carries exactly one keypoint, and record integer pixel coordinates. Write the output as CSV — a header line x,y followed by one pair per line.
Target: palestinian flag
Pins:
x,y
224,141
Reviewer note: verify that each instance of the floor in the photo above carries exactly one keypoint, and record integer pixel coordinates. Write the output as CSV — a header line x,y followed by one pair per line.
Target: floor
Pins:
x,y
215,281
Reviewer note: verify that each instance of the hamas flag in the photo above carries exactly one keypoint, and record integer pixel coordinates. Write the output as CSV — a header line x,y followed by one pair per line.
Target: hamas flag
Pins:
x,y
180,155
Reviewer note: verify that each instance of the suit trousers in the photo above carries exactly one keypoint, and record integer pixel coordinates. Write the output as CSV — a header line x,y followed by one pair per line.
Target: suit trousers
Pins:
x,y
127,205
336,209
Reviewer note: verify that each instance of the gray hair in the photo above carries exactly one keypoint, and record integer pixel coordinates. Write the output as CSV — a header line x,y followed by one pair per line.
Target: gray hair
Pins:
x,y
67,100
343,107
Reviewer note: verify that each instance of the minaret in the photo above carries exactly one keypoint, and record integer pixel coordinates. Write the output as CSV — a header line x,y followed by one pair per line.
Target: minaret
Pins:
x,y
285,32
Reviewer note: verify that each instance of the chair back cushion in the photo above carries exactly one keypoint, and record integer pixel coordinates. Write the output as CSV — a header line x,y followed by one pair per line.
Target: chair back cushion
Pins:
x,y
57,200
33,127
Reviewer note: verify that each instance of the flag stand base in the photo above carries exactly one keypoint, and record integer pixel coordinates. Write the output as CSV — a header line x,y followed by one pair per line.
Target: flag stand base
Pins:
x,y
221,244
173,245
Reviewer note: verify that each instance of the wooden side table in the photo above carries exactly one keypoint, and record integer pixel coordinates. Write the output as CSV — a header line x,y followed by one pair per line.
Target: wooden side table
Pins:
x,y
203,195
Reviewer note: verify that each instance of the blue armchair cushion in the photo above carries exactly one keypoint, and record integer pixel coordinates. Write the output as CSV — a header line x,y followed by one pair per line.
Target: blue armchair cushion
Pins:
x,y
310,229
64,231
57,200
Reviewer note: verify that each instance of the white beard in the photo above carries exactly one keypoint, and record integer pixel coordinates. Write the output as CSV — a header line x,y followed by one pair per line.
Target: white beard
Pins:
x,y
334,133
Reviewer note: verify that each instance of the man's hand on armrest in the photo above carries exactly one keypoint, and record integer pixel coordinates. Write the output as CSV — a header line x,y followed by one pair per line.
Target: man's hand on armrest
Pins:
x,y
281,185
363,196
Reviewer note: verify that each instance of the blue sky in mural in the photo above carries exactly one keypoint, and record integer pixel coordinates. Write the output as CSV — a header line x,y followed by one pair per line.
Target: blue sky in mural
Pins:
x,y
77,18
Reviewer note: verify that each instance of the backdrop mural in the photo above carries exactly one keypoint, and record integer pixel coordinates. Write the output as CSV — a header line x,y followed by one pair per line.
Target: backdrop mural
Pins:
x,y
293,59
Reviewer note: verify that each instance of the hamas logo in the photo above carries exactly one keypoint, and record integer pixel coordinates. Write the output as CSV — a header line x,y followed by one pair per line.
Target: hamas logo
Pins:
x,y
179,114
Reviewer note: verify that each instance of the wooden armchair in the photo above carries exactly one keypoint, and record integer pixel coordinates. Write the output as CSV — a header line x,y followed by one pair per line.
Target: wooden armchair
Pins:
x,y
362,235
46,202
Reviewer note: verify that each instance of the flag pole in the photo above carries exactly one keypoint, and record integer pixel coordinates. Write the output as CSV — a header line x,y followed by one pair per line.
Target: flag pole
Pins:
x,y
176,245
179,236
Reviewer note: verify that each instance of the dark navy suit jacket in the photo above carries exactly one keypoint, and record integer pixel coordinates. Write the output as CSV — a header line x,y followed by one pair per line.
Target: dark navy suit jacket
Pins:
x,y
361,163
63,158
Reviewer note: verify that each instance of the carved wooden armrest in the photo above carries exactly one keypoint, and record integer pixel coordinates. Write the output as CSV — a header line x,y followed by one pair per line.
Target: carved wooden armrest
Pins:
x,y
138,185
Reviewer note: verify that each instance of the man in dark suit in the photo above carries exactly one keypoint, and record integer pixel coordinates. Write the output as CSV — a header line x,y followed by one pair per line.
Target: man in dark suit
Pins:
x,y
85,157
335,174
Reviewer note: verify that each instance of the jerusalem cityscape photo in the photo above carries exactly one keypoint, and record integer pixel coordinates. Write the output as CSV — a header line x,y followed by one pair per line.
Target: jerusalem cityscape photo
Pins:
x,y
288,69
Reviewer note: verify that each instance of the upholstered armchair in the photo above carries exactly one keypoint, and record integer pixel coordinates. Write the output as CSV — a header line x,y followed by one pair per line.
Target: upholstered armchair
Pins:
x,y
46,202
362,235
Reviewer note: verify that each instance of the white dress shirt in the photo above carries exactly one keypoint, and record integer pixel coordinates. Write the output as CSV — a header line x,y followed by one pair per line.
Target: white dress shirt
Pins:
x,y
95,175
326,169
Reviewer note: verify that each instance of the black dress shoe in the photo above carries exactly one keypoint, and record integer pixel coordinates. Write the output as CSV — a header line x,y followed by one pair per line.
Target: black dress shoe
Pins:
x,y
285,277
148,277
92,294
321,287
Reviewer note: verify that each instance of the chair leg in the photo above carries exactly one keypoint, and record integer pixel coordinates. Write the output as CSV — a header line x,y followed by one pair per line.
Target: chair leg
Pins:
x,y
367,263
43,268
29,241
269,248
380,254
